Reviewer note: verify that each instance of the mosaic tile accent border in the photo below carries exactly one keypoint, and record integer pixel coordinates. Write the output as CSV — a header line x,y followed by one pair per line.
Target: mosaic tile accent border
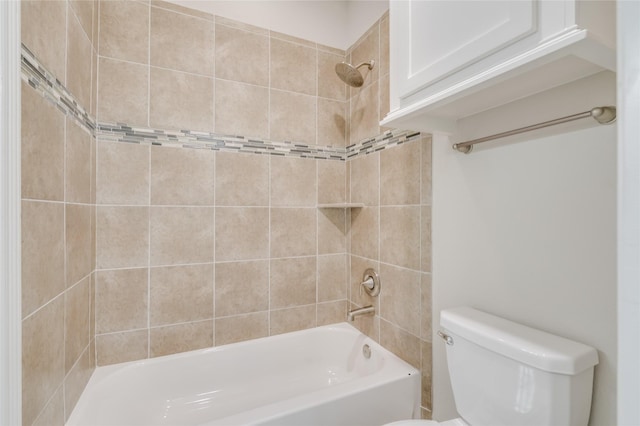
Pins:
x,y
50,88
45,83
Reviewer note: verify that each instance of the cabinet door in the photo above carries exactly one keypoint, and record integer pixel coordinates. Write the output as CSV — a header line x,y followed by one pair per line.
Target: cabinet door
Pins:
x,y
439,37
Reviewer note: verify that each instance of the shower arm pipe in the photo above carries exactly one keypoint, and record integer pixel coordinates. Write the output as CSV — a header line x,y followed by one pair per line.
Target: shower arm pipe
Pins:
x,y
603,115
369,64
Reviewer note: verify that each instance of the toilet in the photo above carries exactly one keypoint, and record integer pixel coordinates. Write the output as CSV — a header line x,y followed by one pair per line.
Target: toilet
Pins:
x,y
506,374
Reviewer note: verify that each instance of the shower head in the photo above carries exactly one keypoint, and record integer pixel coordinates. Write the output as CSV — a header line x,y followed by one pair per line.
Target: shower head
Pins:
x,y
350,74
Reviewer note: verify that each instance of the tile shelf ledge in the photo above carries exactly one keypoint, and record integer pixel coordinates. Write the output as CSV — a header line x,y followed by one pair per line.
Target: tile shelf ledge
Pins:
x,y
341,206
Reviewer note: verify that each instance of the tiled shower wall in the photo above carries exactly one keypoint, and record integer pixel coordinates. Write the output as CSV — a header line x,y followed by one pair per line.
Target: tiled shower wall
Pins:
x,y
392,234
198,248
169,67
58,211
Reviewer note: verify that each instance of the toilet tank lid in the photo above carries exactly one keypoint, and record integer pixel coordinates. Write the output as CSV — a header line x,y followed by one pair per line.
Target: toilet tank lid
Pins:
x,y
524,344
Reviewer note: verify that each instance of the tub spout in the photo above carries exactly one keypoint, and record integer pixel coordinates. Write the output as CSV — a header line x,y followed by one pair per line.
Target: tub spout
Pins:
x,y
367,310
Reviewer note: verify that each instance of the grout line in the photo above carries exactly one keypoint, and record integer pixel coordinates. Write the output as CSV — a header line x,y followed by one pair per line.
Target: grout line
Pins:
x,y
64,214
148,65
149,248
269,250
317,271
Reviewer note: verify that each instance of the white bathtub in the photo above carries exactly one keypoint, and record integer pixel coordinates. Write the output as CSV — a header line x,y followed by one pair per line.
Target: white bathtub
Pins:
x,y
312,377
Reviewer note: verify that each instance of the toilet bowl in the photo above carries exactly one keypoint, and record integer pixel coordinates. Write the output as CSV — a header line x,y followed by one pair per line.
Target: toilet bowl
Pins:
x,y
503,373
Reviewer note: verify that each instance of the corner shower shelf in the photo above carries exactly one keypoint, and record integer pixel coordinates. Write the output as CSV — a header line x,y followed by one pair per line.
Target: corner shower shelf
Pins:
x,y
341,206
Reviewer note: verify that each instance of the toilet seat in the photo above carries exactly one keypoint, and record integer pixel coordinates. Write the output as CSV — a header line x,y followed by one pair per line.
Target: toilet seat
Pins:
x,y
452,422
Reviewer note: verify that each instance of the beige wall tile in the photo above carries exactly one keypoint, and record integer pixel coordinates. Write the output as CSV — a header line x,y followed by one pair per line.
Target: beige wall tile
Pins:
x,y
124,30
292,117
42,146
94,243
426,366
293,182
331,182
364,112
329,49
42,358
292,39
241,327
76,381
425,239
181,294
365,232
78,242
93,107
241,109
43,26
332,277
180,101
384,46
293,232
400,174
123,92
400,236
122,347
77,164
93,172
181,9
78,60
329,84
401,343
242,233
332,234
242,56
181,42
84,10
368,48
365,179
400,303
292,319
425,414
242,179
182,176
426,307
292,282
293,67
221,20
331,312
385,102
180,338
53,413
92,307
42,253
362,298
122,173
181,235
122,237
241,287
121,300
426,170
332,122
367,324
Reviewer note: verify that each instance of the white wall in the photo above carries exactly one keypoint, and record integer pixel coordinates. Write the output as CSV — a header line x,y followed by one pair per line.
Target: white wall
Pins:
x,y
527,229
329,22
628,213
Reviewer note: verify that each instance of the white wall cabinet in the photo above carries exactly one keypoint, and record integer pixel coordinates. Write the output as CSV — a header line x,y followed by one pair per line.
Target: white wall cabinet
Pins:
x,y
451,59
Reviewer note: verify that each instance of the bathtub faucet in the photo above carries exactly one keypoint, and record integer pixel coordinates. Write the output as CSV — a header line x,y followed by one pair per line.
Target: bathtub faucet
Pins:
x,y
367,310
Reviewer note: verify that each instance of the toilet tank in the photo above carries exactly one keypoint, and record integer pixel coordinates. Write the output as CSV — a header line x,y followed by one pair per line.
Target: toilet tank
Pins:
x,y
504,373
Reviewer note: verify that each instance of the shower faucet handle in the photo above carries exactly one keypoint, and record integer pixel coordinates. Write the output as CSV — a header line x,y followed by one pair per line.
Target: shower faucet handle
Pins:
x,y
370,282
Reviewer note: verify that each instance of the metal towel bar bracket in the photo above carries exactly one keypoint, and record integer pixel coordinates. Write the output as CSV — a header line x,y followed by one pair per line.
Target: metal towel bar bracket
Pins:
x,y
603,115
